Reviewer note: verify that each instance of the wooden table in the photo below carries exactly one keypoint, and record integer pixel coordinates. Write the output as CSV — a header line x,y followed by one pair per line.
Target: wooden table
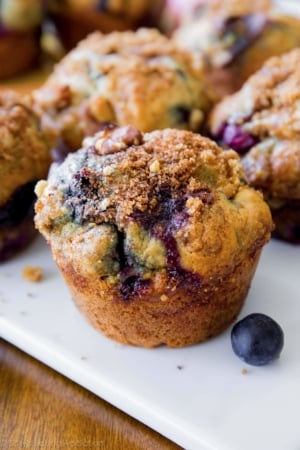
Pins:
x,y
41,409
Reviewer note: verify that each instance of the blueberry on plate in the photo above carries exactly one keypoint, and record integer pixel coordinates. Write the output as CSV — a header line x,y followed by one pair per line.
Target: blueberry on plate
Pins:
x,y
257,339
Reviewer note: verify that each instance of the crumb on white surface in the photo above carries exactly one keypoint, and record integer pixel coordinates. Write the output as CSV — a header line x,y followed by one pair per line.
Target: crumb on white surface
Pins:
x,y
31,273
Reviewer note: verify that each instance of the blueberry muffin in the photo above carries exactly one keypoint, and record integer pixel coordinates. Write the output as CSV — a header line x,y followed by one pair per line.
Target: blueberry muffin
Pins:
x,y
156,234
25,159
75,19
236,38
20,24
261,122
131,78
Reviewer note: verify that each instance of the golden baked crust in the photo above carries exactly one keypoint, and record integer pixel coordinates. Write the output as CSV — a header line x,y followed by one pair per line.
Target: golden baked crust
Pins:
x,y
156,234
267,108
24,153
262,122
130,78
24,159
236,38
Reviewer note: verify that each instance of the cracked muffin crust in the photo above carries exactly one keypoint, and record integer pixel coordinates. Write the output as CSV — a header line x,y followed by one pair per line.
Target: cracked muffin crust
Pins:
x,y
261,122
156,234
131,78
24,159
236,38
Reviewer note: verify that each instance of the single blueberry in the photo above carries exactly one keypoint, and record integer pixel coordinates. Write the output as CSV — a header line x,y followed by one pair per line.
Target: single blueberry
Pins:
x,y
237,138
257,339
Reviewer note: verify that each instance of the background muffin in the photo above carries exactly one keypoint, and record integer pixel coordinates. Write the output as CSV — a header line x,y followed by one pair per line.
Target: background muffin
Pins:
x,y
25,158
156,234
237,37
261,122
20,26
137,78
75,19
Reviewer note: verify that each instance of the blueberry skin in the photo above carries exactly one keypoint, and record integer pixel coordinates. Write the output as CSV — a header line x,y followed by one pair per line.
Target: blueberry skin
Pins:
x,y
257,339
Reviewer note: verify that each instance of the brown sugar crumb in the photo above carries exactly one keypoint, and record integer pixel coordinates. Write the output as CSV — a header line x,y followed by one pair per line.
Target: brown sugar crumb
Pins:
x,y
244,371
31,273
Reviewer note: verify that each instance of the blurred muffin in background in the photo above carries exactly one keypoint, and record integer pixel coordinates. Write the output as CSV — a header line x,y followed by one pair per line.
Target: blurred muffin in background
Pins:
x,y
20,28
236,38
132,78
156,234
75,19
261,122
175,12
24,159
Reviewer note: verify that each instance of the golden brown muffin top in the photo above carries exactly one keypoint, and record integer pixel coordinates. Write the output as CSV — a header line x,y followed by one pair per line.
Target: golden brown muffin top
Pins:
x,y
267,108
268,103
139,78
153,188
24,154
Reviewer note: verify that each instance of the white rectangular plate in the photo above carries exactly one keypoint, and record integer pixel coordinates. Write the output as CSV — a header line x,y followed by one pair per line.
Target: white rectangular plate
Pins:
x,y
196,396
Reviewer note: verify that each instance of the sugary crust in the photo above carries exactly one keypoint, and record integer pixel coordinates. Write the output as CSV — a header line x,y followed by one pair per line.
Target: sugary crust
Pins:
x,y
138,78
270,33
168,212
24,153
267,107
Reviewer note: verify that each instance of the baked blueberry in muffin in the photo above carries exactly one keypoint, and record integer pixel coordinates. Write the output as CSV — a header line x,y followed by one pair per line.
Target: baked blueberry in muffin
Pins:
x,y
132,78
24,159
261,122
20,25
156,234
237,37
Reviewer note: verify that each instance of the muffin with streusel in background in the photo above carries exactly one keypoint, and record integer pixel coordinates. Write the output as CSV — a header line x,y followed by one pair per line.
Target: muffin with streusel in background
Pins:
x,y
131,78
24,159
156,235
75,19
237,37
261,122
20,28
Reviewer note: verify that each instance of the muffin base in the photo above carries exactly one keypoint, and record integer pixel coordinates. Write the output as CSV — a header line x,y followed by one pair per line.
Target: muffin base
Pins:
x,y
75,26
28,51
15,239
287,222
177,319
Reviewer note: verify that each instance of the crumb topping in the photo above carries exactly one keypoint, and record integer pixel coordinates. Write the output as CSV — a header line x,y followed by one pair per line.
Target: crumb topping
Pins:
x,y
31,273
24,153
268,103
145,168
267,109
140,78
167,200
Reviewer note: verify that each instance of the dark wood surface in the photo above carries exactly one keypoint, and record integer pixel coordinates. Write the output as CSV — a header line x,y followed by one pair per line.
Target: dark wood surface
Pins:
x,y
41,409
